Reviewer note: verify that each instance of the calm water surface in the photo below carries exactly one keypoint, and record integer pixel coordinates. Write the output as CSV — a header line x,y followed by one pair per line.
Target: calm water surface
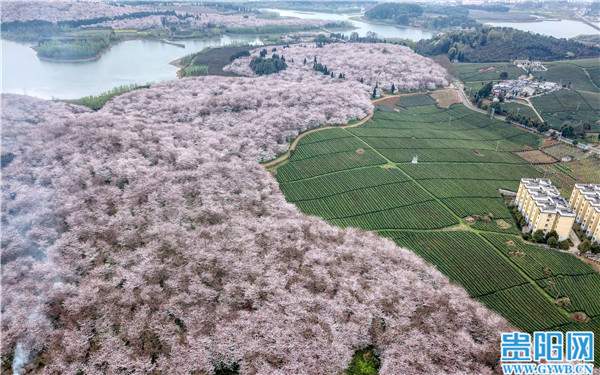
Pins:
x,y
362,27
129,62
144,61
557,29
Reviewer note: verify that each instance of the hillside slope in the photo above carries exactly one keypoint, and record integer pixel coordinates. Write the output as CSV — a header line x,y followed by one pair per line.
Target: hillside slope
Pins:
x,y
146,237
490,44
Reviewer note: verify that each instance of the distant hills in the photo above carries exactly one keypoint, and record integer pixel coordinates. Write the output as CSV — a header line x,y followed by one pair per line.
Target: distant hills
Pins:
x,y
490,44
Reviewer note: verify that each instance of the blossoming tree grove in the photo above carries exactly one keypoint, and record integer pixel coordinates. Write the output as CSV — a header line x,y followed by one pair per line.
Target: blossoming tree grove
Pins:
x,y
373,64
145,237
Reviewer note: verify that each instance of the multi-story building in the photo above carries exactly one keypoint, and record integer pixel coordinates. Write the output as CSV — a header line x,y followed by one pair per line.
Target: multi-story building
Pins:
x,y
585,201
543,208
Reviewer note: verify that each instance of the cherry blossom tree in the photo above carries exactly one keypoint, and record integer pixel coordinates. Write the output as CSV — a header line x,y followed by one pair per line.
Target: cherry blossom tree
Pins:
x,y
189,15
55,11
374,64
145,237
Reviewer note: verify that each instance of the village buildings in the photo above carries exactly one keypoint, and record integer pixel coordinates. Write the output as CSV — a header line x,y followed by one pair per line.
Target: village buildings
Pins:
x,y
523,88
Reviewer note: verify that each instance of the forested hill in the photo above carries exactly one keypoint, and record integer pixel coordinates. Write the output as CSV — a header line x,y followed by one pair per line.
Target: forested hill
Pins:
x,y
398,12
488,44
426,15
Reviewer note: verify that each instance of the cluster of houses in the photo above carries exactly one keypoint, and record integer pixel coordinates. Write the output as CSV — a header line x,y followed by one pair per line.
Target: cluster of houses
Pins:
x,y
530,66
523,88
545,209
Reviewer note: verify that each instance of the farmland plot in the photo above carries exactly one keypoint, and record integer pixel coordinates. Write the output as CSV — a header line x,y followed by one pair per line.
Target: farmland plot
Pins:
x,y
475,171
455,252
429,179
474,72
325,163
427,215
416,100
490,224
526,307
451,155
464,188
370,199
572,73
538,262
340,182
463,207
582,292
569,106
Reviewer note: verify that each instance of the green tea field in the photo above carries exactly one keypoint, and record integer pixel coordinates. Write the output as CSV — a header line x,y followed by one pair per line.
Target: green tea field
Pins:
x,y
569,106
577,103
428,178
583,74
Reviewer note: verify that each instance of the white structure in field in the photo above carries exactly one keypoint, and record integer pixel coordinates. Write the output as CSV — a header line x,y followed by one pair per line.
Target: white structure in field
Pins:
x,y
530,66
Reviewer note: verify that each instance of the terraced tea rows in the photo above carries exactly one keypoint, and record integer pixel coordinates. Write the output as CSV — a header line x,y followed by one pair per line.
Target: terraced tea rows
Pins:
x,y
580,290
578,102
429,179
358,202
488,270
340,182
463,207
569,105
538,263
526,308
427,215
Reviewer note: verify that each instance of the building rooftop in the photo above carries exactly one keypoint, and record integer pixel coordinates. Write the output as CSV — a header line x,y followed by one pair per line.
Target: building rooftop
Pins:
x,y
591,193
547,197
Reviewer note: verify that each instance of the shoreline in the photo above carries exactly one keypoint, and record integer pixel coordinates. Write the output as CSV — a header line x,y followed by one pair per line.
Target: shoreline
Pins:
x,y
165,41
53,60
362,18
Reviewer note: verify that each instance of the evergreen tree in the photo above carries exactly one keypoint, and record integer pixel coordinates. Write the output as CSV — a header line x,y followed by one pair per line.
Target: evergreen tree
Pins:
x,y
262,66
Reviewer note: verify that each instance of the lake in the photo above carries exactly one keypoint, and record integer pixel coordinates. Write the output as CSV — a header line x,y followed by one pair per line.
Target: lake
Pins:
x,y
362,27
557,29
145,61
129,62
138,61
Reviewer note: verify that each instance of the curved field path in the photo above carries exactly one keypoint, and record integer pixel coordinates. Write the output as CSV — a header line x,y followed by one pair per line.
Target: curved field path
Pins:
x,y
282,159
